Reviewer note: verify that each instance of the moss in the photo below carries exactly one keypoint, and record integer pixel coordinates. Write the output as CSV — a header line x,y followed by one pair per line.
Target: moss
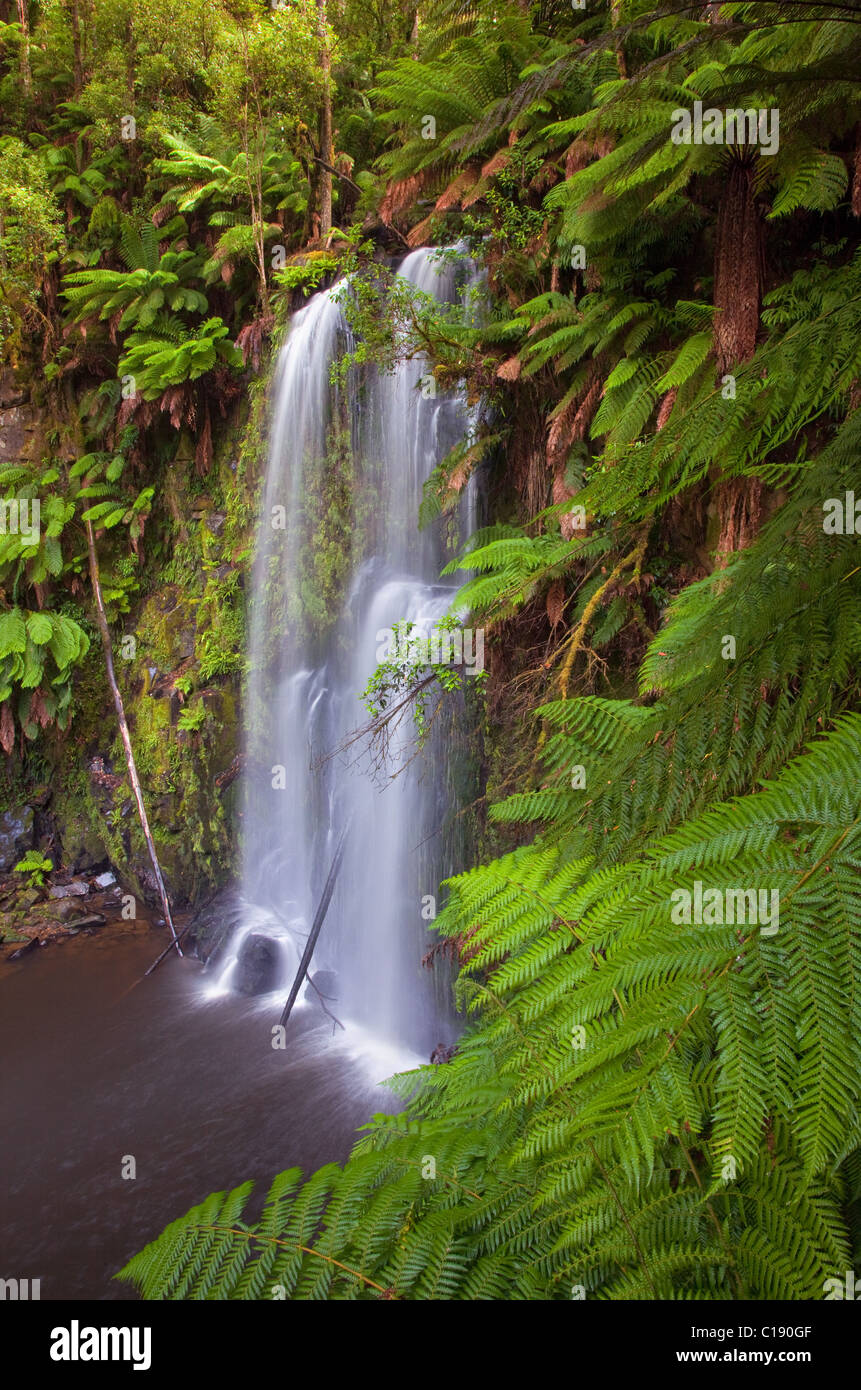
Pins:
x,y
188,623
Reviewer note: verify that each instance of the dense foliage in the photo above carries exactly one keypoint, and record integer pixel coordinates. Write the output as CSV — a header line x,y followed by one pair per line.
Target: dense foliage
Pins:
x,y
642,1106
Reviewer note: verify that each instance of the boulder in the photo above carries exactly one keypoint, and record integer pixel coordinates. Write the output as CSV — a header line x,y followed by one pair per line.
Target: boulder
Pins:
x,y
258,969
326,982
86,853
16,836
66,909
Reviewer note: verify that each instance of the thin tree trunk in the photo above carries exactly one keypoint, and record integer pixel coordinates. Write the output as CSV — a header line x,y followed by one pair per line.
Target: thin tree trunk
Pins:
x,y
254,176
75,19
102,619
26,75
253,182
327,151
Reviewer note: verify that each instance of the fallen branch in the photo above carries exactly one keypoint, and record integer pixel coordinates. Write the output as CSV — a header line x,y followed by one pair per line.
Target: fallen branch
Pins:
x,y
327,1011
158,960
319,918
102,620
186,929
345,178
386,721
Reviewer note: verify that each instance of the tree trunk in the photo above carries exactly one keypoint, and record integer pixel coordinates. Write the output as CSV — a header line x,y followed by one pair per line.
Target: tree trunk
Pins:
x,y
102,619
739,274
254,184
327,152
75,20
26,75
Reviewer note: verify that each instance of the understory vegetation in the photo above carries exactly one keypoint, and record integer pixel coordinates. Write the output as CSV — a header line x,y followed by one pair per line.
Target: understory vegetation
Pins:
x,y
656,1092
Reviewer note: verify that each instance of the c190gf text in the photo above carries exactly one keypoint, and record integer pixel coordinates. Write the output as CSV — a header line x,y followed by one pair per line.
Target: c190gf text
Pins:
x,y
721,1334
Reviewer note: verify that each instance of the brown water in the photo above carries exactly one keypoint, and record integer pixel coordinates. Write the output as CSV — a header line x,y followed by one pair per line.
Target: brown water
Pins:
x,y
93,1070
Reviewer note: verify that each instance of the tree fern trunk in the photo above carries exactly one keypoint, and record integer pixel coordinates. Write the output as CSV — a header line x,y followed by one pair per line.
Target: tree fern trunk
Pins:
x,y
738,263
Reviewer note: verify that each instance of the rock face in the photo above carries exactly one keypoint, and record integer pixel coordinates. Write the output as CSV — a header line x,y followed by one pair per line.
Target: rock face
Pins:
x,y
16,836
19,422
258,969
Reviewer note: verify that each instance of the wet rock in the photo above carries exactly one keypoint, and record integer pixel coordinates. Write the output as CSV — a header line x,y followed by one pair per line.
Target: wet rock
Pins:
x,y
92,919
77,888
16,836
66,909
443,1052
213,924
88,854
104,880
326,982
258,968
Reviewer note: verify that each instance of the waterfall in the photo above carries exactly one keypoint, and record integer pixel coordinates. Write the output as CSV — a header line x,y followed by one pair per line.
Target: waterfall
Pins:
x,y
310,654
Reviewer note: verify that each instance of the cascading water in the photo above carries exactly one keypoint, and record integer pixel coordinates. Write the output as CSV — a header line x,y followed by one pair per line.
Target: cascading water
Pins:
x,y
303,687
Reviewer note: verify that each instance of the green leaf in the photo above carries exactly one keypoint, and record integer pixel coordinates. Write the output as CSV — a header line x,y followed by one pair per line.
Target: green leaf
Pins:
x,y
39,628
13,633
34,665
